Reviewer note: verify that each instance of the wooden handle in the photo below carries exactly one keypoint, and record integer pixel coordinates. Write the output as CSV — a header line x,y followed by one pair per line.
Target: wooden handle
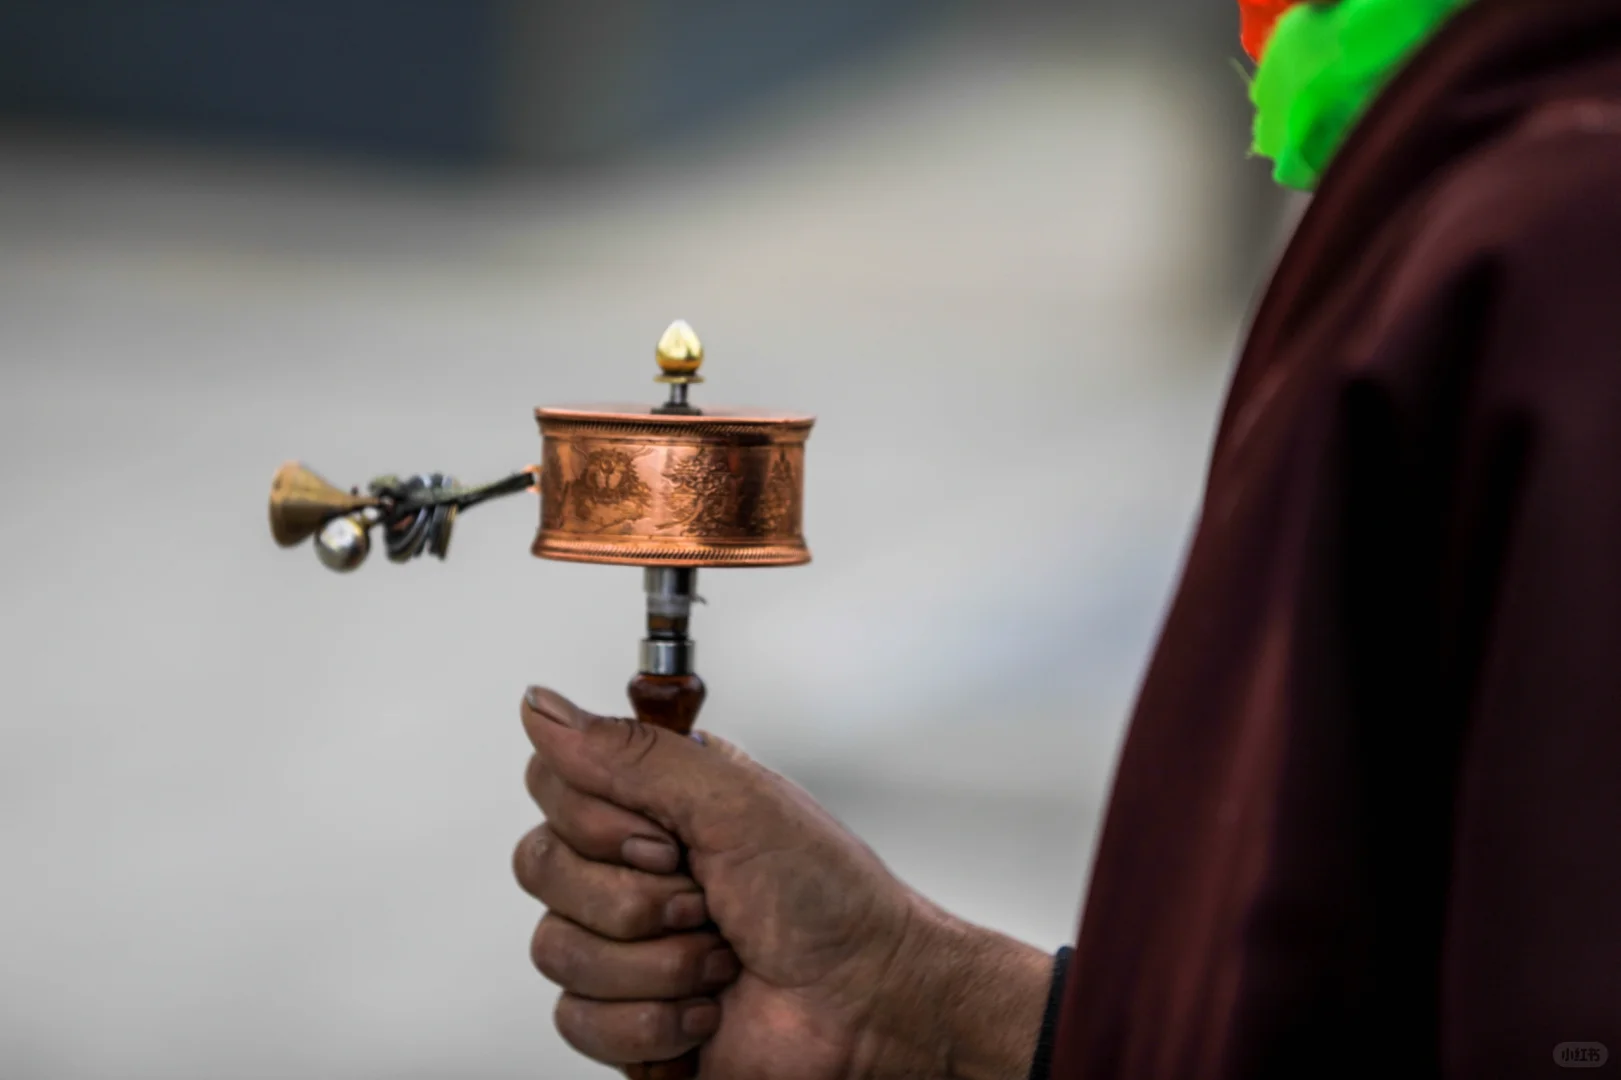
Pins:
x,y
667,701
672,702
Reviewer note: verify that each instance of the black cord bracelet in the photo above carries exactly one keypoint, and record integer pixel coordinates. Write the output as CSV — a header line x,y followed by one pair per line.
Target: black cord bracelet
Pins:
x,y
1043,1062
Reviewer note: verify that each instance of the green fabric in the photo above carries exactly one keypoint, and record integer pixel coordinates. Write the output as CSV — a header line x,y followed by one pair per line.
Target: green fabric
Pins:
x,y
1325,63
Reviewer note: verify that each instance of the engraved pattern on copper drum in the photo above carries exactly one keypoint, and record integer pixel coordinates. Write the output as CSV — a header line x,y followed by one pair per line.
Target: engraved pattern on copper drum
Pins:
x,y
553,491
698,492
780,509
707,492
607,491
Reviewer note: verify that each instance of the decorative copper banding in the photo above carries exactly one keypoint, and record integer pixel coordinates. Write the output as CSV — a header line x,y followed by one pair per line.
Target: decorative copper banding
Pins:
x,y
625,484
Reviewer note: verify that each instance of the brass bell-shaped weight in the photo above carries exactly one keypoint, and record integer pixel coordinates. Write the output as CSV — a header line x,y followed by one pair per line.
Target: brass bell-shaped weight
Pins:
x,y
301,502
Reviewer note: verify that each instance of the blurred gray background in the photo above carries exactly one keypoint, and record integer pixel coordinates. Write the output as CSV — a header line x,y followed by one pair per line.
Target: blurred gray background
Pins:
x,y
255,819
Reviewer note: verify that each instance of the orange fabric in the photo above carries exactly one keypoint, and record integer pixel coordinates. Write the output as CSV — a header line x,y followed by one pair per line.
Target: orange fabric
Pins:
x,y
1259,17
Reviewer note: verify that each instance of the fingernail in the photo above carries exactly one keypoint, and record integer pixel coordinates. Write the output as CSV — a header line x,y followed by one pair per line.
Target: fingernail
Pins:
x,y
654,856
720,967
686,912
550,705
698,737
700,1020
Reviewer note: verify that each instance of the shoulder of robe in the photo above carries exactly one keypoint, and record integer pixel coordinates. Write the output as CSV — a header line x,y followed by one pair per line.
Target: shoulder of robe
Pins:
x,y
1550,187
1516,236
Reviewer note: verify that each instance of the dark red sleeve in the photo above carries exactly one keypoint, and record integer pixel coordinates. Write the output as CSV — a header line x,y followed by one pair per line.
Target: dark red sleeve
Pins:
x,y
1367,819
1531,595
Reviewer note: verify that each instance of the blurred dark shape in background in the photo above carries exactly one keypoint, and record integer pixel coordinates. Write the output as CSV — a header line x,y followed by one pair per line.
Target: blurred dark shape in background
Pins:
x,y
468,82
481,84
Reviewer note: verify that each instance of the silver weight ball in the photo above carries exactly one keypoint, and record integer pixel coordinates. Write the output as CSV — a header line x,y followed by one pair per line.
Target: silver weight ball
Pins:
x,y
342,544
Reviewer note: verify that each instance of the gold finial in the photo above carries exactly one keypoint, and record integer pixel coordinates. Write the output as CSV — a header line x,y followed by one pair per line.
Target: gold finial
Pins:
x,y
680,354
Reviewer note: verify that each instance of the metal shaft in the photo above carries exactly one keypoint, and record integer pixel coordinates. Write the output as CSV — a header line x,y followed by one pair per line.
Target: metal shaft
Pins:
x,y
667,650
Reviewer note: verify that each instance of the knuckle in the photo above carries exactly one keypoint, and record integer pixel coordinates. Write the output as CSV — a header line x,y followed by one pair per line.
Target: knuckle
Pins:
x,y
582,817
728,749
535,776
553,956
618,1033
677,967
584,824
566,1015
622,740
643,741
534,862
627,914
650,1024
580,1026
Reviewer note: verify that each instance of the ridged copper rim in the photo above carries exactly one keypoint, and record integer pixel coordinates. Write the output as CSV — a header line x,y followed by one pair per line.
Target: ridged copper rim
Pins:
x,y
625,485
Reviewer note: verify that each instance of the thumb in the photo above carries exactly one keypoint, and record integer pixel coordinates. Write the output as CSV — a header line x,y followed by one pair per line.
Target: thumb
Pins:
x,y
682,783
728,750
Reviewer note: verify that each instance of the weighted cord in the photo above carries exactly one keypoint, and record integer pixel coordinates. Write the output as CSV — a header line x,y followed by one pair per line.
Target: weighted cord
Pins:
x,y
419,513
415,521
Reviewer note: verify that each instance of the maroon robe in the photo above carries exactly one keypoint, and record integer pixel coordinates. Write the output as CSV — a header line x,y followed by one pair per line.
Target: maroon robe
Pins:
x,y
1367,821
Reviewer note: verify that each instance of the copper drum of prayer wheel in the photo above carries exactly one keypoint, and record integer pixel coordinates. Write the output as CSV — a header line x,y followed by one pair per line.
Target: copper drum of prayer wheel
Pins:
x,y
670,487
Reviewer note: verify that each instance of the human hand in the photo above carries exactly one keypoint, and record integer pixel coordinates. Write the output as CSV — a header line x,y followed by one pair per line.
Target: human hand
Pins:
x,y
776,940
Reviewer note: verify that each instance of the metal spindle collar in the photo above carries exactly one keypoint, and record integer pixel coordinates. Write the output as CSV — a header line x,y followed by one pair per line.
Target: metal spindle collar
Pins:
x,y
667,657
671,592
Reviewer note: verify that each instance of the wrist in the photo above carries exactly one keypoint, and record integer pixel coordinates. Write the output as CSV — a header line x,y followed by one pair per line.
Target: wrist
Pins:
x,y
994,1004
958,1002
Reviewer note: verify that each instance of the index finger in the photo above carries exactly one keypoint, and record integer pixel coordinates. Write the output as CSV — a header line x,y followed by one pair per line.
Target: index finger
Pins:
x,y
682,784
596,828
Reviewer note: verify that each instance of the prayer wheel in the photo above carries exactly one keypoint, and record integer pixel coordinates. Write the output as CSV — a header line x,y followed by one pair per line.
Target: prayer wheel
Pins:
x,y
670,487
